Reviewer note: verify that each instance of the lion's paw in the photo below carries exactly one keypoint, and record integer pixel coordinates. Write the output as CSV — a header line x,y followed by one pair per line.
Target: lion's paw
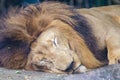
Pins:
x,y
114,60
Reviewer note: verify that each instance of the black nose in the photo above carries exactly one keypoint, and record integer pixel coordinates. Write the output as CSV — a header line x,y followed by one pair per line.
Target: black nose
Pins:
x,y
70,67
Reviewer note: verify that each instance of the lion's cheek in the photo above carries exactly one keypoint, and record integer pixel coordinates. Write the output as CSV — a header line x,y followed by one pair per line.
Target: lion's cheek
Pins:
x,y
62,61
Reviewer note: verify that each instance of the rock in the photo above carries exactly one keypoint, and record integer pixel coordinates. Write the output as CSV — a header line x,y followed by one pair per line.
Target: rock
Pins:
x,y
111,72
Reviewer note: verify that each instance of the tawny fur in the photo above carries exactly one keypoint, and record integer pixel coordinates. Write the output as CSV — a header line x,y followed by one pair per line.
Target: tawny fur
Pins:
x,y
60,35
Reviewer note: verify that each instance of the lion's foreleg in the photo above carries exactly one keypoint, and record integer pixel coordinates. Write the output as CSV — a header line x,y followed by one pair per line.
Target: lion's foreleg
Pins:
x,y
113,46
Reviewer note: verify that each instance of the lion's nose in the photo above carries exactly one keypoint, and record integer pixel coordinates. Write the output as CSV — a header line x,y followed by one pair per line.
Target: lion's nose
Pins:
x,y
70,67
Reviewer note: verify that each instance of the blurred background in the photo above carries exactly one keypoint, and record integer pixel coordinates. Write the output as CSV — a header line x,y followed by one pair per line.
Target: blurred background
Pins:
x,y
5,4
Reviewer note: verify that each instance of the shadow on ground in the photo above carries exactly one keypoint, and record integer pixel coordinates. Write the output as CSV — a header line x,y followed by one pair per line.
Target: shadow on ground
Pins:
x,y
111,72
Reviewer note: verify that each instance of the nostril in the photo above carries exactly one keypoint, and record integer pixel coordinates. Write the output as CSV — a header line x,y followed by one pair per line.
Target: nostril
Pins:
x,y
70,67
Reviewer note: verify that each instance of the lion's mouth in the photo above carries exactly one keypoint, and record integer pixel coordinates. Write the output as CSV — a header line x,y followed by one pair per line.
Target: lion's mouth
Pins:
x,y
72,69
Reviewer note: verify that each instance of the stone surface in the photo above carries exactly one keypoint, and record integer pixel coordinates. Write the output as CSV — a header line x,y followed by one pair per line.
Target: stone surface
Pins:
x,y
111,72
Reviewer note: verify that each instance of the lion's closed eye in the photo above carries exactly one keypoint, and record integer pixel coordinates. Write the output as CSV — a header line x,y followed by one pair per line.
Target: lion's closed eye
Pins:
x,y
55,42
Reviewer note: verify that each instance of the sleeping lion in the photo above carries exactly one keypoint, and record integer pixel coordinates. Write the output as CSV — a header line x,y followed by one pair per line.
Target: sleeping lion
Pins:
x,y
54,37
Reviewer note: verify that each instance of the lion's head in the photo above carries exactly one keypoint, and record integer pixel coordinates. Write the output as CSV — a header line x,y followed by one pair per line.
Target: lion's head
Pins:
x,y
52,52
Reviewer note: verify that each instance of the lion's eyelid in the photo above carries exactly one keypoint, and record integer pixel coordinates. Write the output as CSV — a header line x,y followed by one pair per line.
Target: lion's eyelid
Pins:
x,y
55,43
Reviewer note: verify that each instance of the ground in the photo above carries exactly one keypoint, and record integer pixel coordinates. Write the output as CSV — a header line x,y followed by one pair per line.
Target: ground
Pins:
x,y
105,73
